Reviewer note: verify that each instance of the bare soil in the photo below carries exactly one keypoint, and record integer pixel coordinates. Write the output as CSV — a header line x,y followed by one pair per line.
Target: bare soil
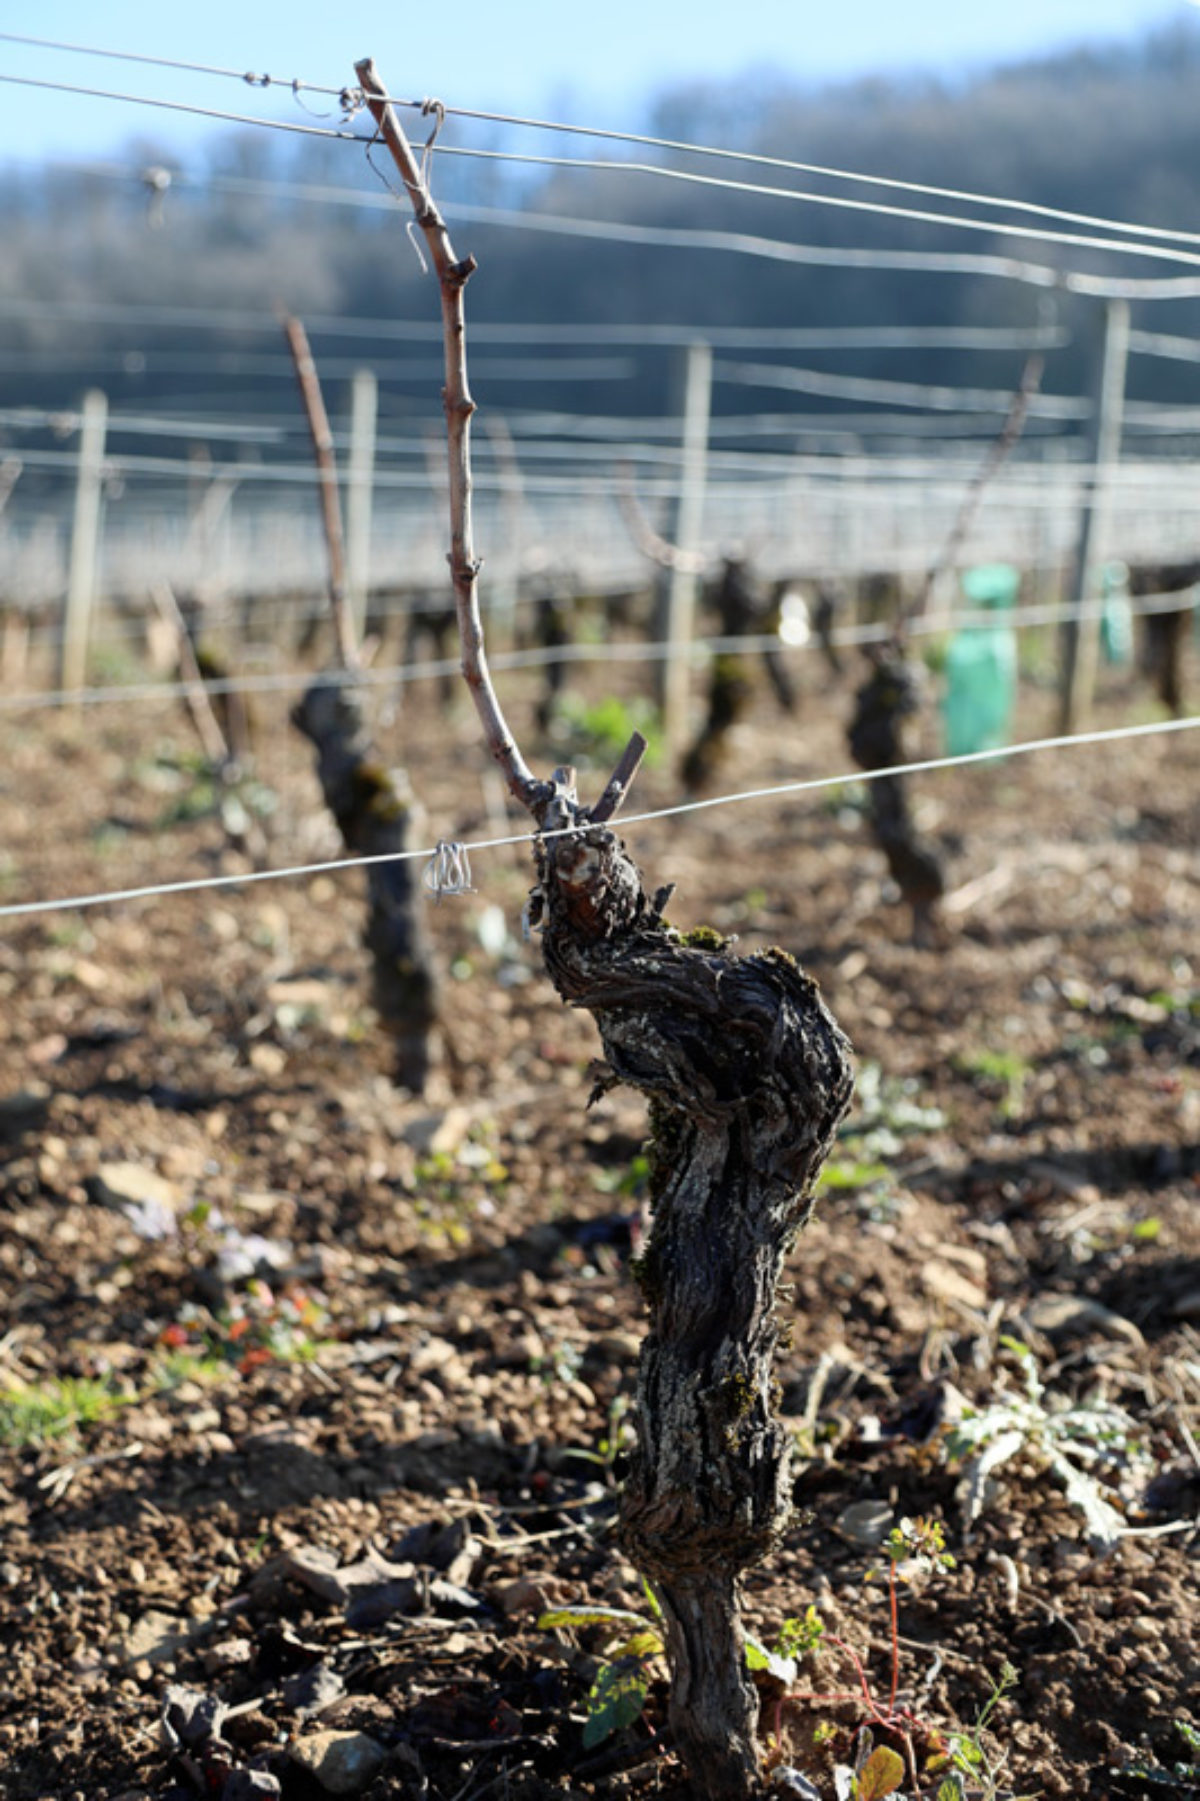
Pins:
x,y
352,1324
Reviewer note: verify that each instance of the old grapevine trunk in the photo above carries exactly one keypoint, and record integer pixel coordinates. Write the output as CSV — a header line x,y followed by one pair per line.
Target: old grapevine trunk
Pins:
x,y
378,817
748,1076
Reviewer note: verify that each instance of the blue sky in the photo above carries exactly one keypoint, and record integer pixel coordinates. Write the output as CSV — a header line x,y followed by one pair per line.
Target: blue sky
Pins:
x,y
595,64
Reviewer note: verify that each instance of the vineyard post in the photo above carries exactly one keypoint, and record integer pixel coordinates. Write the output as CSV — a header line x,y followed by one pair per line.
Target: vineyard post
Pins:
x,y
695,386
331,512
1082,638
748,1076
85,540
360,485
14,642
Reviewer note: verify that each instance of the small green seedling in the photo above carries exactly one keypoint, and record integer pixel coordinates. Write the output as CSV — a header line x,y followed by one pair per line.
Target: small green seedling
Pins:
x,y
1065,1439
619,1437
35,1413
598,732
965,1758
618,1694
1006,1070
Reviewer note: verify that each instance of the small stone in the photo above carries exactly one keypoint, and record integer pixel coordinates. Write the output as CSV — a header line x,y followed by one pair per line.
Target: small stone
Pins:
x,y
866,1523
1071,1314
312,1691
434,1354
133,1185
1132,1602
434,1132
228,1654
1145,1628
525,1595
304,993
343,1763
153,1639
946,1283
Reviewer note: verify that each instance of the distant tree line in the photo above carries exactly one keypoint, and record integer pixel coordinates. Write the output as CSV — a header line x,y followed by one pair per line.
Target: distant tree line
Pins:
x,y
1112,131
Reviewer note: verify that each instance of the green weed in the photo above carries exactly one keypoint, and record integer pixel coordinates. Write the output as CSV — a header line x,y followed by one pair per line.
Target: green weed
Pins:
x,y
1004,1073
618,1694
35,1413
965,1759
1071,1440
597,732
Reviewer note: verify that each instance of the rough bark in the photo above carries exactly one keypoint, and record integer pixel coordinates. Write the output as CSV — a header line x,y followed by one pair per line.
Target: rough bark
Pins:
x,y
552,631
748,1076
376,815
741,610
825,619
1166,633
890,696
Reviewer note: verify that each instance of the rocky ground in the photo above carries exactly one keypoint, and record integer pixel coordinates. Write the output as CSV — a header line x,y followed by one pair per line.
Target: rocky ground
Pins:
x,y
313,1393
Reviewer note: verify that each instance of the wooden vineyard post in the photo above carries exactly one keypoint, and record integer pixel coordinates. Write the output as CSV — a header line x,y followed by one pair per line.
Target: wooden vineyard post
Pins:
x,y
747,1075
689,514
374,807
1104,449
85,540
14,621
331,512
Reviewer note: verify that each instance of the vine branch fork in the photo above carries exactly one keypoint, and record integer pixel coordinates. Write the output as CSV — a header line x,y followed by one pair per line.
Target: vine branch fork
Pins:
x,y
453,273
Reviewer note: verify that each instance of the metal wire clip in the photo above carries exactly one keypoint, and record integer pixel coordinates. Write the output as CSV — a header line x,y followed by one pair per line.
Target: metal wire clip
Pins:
x,y
449,870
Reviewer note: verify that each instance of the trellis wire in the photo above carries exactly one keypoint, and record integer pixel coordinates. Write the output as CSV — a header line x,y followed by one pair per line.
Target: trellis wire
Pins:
x,y
1111,735
348,325
841,202
623,651
948,262
347,95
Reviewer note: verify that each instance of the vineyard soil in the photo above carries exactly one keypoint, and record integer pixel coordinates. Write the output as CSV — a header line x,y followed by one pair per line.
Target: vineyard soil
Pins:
x,y
313,1390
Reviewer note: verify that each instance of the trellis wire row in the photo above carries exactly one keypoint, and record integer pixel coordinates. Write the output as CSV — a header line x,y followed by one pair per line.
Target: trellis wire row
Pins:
x,y
738,243
722,337
959,222
346,92
22,909
611,336
542,657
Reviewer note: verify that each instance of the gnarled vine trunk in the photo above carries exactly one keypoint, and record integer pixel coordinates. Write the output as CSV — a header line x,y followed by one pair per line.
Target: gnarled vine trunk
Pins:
x,y
748,1076
886,701
377,816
